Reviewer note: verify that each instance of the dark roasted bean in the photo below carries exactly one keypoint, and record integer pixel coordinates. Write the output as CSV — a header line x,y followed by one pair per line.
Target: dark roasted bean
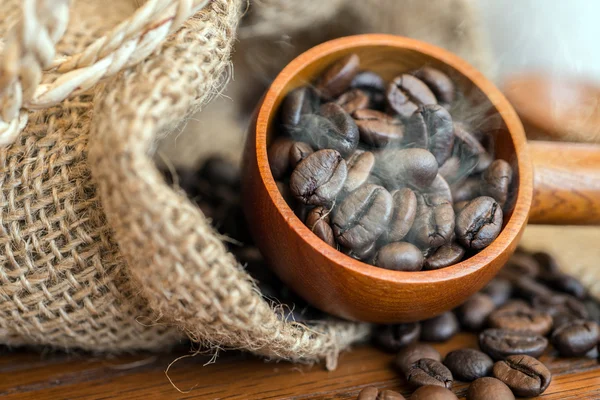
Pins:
x,y
392,338
372,393
451,170
470,151
489,389
546,261
318,222
564,283
555,305
403,216
467,190
440,328
368,80
353,100
429,372
499,290
474,312
413,353
406,93
431,392
298,152
319,177
459,206
359,164
336,79
430,127
279,156
439,83
479,223
526,319
496,180
440,188
501,343
524,375
523,265
300,101
377,128
593,309
416,168
399,256
575,338
468,364
434,223
445,256
363,254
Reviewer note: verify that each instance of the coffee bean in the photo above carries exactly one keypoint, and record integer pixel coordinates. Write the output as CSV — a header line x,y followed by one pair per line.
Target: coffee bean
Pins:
x,y
440,188
318,222
403,216
440,328
451,170
406,93
459,206
359,164
526,319
496,180
546,261
300,101
593,309
365,254
474,312
499,290
416,168
514,305
377,128
430,127
489,389
362,216
469,150
412,353
479,223
353,100
524,375
523,264
298,152
439,83
369,81
336,79
468,364
555,305
445,256
319,177
433,393
399,256
466,191
392,338
434,223
372,393
564,283
575,338
501,343
427,371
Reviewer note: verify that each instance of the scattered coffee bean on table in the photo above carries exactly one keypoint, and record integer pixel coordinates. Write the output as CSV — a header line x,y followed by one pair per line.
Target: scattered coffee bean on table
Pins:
x,y
372,393
431,392
427,371
468,364
394,337
524,375
489,389
405,180
413,353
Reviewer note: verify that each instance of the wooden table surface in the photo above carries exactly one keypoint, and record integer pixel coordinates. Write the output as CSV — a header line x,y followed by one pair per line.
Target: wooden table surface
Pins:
x,y
31,375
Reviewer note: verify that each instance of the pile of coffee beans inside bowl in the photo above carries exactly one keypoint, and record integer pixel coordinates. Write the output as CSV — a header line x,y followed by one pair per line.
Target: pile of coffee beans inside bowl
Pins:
x,y
383,172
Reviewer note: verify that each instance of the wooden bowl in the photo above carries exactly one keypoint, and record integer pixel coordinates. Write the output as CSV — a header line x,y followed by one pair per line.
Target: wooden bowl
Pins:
x,y
333,281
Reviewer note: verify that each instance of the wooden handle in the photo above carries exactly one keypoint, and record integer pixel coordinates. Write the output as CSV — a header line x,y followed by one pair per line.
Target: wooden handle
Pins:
x,y
566,183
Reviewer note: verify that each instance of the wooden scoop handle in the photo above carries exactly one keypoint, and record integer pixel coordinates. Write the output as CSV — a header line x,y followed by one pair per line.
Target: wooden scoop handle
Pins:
x,y
566,183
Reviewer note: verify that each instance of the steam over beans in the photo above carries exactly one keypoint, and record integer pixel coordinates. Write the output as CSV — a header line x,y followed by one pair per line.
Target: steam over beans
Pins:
x,y
404,182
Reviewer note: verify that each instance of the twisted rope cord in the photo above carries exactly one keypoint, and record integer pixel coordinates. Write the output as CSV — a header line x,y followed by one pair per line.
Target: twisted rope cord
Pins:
x,y
129,43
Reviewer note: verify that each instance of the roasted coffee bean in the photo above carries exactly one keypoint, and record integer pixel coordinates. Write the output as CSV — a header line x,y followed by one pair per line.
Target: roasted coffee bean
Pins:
x,y
403,216
445,256
474,312
555,305
369,81
451,170
501,343
219,171
430,127
416,168
363,254
392,338
479,223
412,353
489,389
523,264
431,392
593,309
459,206
526,319
439,83
319,178
336,79
496,180
300,101
372,393
468,364
529,288
318,222
377,128
564,283
440,188
353,100
440,328
575,338
399,256
514,305
406,93
359,164
499,290
466,191
469,150
298,152
434,223
427,371
524,375
363,216
546,261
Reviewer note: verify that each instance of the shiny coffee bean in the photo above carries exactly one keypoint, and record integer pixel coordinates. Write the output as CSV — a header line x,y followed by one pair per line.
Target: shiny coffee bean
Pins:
x,y
403,216
445,256
468,364
392,338
279,156
429,372
353,100
546,261
499,290
365,254
496,180
431,392
300,101
377,128
412,353
526,319
345,136
318,222
431,127
555,305
416,168
479,223
298,152
489,389
501,343
466,191
575,338
406,93
362,216
474,312
399,256
524,375
528,288
564,283
337,77
440,328
470,151
359,164
440,188
434,223
372,393
319,178
439,83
